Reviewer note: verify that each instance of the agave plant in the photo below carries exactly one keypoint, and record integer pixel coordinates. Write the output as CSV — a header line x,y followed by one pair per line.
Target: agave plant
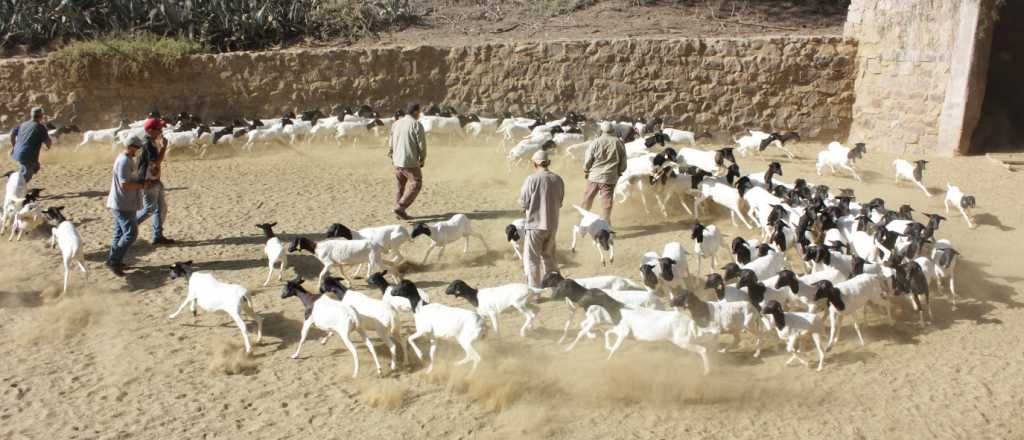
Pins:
x,y
218,24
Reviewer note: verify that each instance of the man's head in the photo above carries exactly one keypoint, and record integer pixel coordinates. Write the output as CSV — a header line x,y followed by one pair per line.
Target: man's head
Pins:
x,y
154,127
37,113
132,145
413,109
606,127
541,160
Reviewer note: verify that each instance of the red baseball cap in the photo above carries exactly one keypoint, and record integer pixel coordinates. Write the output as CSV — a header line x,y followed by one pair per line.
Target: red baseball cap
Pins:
x,y
153,124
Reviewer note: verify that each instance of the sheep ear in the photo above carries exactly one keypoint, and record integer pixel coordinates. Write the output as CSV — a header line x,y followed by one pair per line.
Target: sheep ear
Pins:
x,y
273,224
187,263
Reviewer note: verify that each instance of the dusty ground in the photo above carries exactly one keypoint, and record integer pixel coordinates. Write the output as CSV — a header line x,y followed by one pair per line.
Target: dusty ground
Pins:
x,y
105,362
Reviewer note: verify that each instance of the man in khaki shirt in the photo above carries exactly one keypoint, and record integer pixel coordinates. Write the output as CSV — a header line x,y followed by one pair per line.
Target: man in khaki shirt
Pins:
x,y
407,147
604,163
541,197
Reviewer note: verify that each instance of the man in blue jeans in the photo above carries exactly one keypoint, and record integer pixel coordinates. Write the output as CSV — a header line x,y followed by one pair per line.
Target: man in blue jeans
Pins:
x,y
28,139
151,158
124,201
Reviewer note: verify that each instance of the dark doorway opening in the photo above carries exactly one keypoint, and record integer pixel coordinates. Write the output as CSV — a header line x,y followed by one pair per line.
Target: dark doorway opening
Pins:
x,y
1001,125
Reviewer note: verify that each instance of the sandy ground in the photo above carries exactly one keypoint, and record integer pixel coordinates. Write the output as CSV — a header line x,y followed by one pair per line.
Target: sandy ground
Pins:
x,y
105,362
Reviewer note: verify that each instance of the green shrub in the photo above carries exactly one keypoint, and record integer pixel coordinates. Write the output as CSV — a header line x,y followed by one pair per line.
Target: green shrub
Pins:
x,y
126,55
554,8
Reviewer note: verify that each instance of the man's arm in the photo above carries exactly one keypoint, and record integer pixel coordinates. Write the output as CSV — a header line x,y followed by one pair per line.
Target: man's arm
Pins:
x,y
123,172
621,148
524,195
588,160
14,136
421,136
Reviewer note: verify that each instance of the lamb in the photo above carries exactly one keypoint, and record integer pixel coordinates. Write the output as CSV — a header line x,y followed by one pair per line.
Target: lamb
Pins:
x,y
678,184
66,236
597,228
331,316
596,304
401,304
945,258
722,193
822,256
107,136
733,317
639,147
794,326
963,202
514,235
763,267
760,201
725,292
707,241
372,313
666,273
441,321
492,301
29,217
856,293
14,196
709,161
272,133
389,238
441,234
354,129
527,147
911,172
340,253
836,155
910,280
213,295
656,325
603,282
803,288
685,137
275,251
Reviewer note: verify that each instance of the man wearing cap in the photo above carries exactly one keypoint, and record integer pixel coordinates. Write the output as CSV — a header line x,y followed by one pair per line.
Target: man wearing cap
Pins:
x,y
29,137
124,201
604,162
151,158
541,198
407,148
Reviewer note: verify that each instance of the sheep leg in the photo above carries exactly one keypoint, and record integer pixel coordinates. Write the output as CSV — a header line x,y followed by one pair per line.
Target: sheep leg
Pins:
x,y
494,323
620,334
835,321
568,322
440,253
921,185
433,349
429,249
643,200
270,273
412,343
515,247
241,327
585,327
465,246
600,252
962,212
389,340
946,204
67,272
188,299
685,206
817,345
739,214
284,262
528,322
856,326
302,338
952,289
700,350
323,273
246,308
471,355
575,232
373,351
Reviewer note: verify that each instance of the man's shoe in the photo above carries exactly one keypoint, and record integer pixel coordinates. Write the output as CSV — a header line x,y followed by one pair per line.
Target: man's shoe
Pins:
x,y
162,240
116,268
400,213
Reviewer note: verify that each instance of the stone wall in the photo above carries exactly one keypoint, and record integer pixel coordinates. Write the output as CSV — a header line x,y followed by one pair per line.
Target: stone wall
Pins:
x,y
913,67
725,85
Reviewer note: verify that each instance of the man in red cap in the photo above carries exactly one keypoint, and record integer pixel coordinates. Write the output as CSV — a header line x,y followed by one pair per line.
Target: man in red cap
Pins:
x,y
151,158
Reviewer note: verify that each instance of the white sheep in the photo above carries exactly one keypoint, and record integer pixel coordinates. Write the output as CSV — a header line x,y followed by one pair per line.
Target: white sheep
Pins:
x,y
732,317
443,233
963,202
514,233
28,218
106,136
492,301
66,237
945,257
331,316
657,325
15,193
707,241
441,321
373,314
597,228
856,294
275,251
666,273
401,304
211,295
722,193
341,253
389,238
803,288
526,147
913,172
793,327
836,155
709,161
676,136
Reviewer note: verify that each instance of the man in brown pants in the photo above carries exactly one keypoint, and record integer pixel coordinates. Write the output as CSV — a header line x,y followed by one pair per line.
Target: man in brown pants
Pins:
x,y
541,197
604,163
407,147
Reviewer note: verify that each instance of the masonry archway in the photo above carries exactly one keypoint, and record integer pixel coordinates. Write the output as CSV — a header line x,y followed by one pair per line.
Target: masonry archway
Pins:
x,y
1001,123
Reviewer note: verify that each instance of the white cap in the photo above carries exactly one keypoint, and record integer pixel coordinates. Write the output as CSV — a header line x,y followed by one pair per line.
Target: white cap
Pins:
x,y
540,157
605,127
